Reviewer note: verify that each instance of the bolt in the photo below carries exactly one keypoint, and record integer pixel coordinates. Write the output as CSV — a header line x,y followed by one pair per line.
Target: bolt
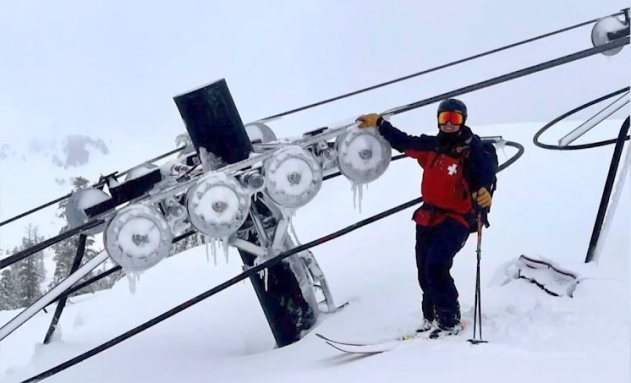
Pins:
x,y
140,240
365,154
219,206
294,178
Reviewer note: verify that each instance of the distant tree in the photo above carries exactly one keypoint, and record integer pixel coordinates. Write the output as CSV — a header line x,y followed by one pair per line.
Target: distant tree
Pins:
x,y
65,253
10,290
7,299
29,273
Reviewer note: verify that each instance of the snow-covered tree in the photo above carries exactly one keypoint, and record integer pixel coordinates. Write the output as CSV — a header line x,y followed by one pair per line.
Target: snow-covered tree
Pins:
x,y
10,291
29,273
65,253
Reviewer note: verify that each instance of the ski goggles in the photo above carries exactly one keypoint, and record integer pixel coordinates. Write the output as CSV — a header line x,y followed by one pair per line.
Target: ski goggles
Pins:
x,y
454,117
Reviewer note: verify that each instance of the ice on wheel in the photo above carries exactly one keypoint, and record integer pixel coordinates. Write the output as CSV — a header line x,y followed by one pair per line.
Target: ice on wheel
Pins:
x,y
363,155
137,238
293,177
218,205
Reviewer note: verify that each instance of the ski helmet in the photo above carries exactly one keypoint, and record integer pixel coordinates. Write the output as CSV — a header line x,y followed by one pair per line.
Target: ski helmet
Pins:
x,y
453,105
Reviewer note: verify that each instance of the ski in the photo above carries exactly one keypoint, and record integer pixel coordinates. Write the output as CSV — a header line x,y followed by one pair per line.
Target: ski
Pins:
x,y
367,348
381,346
327,339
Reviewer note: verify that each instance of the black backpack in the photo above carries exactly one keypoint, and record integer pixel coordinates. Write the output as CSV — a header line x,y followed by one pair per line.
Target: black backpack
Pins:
x,y
489,152
488,149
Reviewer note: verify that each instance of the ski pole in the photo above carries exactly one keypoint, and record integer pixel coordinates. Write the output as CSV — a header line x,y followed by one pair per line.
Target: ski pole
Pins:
x,y
477,306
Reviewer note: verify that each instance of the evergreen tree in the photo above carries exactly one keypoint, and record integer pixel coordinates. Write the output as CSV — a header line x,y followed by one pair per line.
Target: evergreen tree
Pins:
x,y
10,290
7,300
65,253
30,272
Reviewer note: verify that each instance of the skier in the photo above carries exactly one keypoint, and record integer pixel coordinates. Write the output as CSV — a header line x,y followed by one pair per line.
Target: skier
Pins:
x,y
458,179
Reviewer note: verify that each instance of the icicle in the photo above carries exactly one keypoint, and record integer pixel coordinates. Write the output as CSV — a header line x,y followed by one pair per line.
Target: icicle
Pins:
x,y
265,280
289,213
207,253
262,273
211,243
213,247
357,195
226,247
132,278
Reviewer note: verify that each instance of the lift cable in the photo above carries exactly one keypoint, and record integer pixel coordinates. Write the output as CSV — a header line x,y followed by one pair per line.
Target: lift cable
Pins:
x,y
434,69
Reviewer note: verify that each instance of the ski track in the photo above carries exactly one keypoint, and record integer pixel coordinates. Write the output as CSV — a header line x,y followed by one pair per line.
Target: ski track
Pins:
x,y
533,336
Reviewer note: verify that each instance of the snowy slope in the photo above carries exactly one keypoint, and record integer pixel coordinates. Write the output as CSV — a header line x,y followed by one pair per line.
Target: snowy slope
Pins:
x,y
545,205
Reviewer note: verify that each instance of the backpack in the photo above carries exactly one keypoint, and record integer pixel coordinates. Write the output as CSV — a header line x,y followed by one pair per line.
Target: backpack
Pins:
x,y
488,153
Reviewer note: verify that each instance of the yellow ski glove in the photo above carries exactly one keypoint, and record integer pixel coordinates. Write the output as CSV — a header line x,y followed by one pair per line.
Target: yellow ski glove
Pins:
x,y
483,198
368,120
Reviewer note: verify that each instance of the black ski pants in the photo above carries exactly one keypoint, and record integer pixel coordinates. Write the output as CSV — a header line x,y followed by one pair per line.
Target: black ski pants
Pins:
x,y
436,247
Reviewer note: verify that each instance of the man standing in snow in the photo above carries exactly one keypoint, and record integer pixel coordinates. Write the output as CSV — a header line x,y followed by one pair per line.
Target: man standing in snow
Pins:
x,y
458,178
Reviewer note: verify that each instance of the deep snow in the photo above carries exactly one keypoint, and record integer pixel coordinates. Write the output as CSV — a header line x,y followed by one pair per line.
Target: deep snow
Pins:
x,y
545,205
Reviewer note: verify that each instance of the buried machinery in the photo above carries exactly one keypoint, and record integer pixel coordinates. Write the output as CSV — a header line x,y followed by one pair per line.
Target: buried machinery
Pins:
x,y
236,186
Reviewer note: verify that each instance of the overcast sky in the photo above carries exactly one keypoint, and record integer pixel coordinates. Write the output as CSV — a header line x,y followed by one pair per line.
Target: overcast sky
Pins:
x,y
109,69
114,66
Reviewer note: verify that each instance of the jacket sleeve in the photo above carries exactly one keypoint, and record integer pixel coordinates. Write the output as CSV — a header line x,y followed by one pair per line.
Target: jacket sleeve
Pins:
x,y
483,166
417,147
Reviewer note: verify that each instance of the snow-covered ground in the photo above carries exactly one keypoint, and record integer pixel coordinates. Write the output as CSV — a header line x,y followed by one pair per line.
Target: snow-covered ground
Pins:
x,y
545,205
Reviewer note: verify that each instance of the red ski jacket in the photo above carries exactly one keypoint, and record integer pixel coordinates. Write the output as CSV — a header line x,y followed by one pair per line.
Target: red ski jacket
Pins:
x,y
451,173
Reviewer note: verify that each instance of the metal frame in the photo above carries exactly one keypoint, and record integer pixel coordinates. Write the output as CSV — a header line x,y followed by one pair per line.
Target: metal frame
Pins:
x,y
609,183
61,304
